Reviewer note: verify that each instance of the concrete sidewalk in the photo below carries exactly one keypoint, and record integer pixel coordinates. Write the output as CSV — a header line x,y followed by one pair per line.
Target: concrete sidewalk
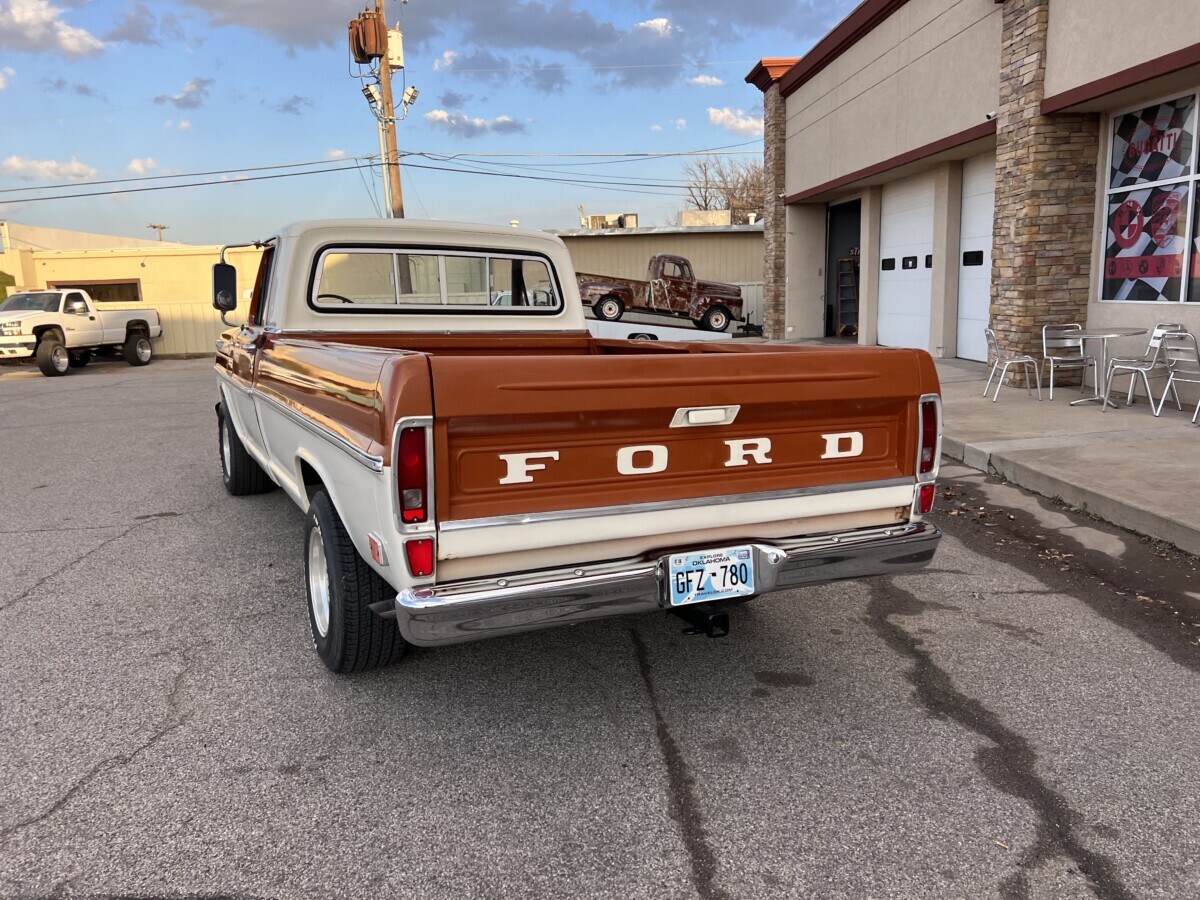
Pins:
x,y
1125,466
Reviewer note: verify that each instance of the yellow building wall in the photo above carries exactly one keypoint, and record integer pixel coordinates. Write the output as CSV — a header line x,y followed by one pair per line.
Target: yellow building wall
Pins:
x,y
176,281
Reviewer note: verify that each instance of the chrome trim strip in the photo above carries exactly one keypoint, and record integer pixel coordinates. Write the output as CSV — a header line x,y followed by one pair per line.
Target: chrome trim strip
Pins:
x,y
667,505
683,415
428,528
937,450
233,383
374,463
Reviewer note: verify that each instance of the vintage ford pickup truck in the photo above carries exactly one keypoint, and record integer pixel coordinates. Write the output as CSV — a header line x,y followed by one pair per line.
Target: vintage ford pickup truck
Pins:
x,y
471,470
670,289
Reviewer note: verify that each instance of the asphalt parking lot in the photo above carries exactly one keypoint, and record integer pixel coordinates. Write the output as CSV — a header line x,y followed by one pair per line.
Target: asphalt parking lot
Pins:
x,y
995,726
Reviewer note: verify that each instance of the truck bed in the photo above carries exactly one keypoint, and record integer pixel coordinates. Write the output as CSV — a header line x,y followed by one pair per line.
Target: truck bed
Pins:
x,y
586,399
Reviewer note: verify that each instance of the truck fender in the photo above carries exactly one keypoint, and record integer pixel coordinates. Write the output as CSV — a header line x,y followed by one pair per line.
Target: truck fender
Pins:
x,y
594,290
40,331
136,326
308,477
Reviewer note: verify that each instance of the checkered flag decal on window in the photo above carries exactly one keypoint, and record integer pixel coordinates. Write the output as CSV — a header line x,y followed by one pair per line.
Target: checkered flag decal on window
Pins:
x,y
1153,144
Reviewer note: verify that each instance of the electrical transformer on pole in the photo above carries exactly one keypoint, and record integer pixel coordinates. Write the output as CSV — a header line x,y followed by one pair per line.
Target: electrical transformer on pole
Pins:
x,y
371,40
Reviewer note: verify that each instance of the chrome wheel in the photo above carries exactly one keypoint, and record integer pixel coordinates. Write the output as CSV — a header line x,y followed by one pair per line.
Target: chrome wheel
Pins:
x,y
143,350
226,452
318,581
61,358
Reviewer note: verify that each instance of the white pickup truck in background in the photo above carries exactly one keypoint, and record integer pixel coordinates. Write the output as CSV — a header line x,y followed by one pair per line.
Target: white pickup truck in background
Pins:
x,y
62,329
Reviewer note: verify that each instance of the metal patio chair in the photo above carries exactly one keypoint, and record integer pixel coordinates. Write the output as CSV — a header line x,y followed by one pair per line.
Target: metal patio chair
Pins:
x,y
1062,348
1183,362
1001,361
1152,362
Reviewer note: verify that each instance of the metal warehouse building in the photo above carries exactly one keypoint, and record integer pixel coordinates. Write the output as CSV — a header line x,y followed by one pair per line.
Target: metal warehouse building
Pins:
x,y
934,166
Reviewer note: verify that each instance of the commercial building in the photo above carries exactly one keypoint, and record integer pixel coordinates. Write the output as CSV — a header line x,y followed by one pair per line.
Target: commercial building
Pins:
x,y
936,166
175,279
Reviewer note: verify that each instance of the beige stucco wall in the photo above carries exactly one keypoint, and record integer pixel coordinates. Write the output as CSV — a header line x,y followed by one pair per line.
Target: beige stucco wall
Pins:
x,y
735,257
930,70
175,280
36,237
1091,39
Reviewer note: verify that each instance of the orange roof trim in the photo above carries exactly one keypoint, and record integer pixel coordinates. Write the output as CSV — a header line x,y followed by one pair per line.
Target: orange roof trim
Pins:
x,y
769,70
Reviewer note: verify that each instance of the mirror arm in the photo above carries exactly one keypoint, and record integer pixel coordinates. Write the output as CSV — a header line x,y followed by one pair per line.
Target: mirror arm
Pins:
x,y
228,324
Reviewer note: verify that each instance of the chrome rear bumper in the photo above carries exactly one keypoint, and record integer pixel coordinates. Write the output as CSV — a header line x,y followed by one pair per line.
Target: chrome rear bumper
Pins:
x,y
482,608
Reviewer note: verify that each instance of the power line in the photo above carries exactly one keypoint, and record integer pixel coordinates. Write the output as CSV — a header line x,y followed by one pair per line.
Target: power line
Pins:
x,y
78,184
171,187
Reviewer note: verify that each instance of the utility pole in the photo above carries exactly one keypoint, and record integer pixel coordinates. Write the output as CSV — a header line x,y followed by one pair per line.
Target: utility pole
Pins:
x,y
159,228
388,120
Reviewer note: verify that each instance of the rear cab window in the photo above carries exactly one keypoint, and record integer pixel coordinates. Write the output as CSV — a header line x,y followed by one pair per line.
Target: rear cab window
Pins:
x,y
361,279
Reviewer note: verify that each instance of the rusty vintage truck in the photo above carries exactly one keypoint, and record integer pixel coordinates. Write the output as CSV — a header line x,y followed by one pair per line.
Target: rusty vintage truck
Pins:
x,y
670,289
469,470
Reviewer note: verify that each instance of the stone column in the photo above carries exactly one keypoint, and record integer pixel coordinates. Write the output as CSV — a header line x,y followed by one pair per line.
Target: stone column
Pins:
x,y
774,215
765,76
1046,183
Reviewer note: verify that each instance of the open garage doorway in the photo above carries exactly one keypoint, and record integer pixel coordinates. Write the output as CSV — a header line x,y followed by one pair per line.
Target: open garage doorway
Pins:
x,y
841,270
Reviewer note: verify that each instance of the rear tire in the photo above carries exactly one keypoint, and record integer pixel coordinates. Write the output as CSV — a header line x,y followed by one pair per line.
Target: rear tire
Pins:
x,y
138,350
716,319
52,357
609,308
340,587
240,472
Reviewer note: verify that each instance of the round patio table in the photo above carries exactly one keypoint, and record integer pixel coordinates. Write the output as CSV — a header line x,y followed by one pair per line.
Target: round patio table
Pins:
x,y
1103,335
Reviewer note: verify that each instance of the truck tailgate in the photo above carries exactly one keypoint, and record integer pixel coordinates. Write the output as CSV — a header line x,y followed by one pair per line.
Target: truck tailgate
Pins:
x,y
578,413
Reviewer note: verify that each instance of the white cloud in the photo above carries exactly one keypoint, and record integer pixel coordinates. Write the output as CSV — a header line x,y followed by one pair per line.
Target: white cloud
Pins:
x,y
680,124
336,154
656,128
47,169
6,73
735,120
141,166
35,25
706,81
193,95
466,126
445,61
660,27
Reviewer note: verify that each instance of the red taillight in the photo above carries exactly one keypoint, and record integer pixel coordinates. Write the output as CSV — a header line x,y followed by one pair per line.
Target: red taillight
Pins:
x,y
419,554
925,503
412,476
927,460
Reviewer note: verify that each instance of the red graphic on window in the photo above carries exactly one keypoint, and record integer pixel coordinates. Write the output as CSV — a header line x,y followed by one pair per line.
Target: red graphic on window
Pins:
x,y
1164,216
1127,223
1163,266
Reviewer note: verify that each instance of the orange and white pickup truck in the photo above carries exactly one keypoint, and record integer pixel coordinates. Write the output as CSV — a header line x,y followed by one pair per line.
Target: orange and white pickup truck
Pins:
x,y
471,469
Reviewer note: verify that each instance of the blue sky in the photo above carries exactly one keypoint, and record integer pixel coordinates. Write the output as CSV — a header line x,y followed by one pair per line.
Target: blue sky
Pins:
x,y
107,90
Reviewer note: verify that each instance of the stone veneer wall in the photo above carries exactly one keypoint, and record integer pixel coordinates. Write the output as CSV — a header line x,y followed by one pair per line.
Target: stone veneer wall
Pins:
x,y
774,215
1046,184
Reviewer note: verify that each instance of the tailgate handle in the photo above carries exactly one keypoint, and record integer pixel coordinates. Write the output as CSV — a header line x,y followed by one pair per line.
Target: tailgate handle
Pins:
x,y
696,416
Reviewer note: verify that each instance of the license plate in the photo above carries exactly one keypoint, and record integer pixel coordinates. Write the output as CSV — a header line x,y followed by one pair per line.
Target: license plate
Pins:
x,y
710,575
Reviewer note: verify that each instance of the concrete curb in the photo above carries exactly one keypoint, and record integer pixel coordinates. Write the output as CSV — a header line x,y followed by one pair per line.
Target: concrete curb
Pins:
x,y
1121,513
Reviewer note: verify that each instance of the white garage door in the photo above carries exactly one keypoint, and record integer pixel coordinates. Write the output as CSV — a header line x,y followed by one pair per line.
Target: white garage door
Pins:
x,y
975,255
905,274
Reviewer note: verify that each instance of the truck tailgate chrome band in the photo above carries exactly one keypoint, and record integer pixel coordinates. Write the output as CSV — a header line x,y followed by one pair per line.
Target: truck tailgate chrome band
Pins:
x,y
668,505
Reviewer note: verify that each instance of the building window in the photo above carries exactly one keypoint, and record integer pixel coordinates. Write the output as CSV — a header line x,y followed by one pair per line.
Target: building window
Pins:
x,y
106,291
1151,209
